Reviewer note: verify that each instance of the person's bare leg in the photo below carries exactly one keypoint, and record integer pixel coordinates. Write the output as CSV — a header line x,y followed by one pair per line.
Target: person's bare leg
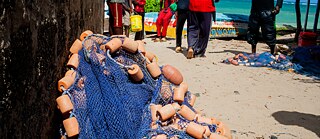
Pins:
x,y
126,30
253,48
272,49
117,31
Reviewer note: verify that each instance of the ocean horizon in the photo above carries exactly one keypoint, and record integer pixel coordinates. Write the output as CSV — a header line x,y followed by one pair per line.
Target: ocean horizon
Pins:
x,y
287,15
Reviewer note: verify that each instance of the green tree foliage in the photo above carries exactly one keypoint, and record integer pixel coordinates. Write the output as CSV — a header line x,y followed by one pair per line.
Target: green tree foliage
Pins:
x,y
152,6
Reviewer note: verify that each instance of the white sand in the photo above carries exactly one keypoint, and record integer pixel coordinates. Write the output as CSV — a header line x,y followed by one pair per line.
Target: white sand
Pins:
x,y
253,102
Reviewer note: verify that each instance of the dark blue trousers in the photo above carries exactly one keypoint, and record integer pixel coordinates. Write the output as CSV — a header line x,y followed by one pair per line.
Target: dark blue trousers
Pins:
x,y
199,27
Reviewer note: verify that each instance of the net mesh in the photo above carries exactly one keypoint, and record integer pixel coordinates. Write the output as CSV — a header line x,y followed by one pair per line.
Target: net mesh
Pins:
x,y
303,60
109,104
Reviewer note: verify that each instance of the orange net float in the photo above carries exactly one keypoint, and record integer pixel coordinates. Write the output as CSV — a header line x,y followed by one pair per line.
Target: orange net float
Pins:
x,y
161,136
172,74
216,136
223,130
71,126
67,80
114,45
192,100
85,34
141,47
64,104
135,73
179,92
187,113
215,121
168,111
154,108
150,56
130,45
202,119
73,61
76,46
207,133
195,130
233,62
154,69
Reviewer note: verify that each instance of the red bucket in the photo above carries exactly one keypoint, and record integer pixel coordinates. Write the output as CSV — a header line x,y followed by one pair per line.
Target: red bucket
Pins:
x,y
307,39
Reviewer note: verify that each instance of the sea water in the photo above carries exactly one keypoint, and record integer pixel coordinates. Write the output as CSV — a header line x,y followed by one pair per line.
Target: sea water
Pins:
x,y
287,15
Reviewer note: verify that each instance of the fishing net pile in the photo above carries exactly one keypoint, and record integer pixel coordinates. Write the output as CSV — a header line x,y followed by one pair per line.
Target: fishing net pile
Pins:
x,y
115,89
301,60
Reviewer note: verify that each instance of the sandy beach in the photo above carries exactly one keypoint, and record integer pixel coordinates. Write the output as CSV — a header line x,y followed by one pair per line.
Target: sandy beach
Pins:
x,y
256,103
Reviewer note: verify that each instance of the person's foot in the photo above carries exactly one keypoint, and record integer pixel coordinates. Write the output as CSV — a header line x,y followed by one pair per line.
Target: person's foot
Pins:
x,y
163,39
190,53
157,40
178,49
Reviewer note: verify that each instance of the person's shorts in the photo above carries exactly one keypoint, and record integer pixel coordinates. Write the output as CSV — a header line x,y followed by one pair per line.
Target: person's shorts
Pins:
x,y
116,13
126,18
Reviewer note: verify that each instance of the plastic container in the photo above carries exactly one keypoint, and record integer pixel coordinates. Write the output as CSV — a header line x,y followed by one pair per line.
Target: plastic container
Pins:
x,y
172,74
136,23
71,126
85,34
64,104
135,73
76,46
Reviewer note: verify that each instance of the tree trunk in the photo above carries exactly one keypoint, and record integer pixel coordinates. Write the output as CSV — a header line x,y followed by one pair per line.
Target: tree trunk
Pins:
x,y
298,17
315,25
35,37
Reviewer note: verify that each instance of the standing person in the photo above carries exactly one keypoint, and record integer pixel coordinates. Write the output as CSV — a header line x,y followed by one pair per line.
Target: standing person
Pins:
x,y
182,13
163,20
115,19
199,26
262,15
127,10
139,9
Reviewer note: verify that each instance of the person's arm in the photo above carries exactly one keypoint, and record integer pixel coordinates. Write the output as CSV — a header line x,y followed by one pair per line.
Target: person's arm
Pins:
x,y
278,6
142,2
130,6
161,3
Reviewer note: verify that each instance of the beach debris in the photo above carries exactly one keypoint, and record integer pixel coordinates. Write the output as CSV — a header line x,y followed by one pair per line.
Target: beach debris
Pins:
x,y
236,92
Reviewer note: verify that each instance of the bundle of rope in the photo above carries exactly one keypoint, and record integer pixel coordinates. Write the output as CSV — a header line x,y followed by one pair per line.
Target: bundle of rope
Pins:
x,y
115,89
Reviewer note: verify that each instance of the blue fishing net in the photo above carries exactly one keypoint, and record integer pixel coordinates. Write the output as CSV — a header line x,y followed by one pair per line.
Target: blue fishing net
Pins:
x,y
109,104
304,60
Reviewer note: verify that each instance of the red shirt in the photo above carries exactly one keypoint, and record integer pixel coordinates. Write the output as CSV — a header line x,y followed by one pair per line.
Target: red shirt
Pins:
x,y
201,6
167,3
140,6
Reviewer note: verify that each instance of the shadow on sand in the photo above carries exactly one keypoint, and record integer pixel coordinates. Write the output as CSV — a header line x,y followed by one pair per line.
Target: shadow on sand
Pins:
x,y
307,121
